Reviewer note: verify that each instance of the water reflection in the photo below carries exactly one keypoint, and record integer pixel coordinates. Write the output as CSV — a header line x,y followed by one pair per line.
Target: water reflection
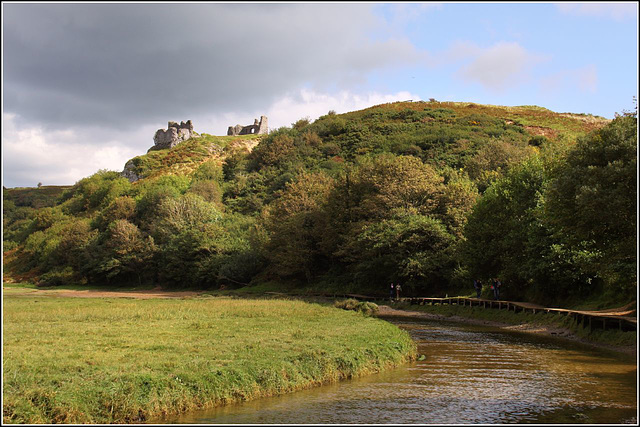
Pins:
x,y
470,375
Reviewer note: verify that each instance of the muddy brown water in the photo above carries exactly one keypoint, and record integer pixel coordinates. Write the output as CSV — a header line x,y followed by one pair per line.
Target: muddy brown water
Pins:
x,y
469,375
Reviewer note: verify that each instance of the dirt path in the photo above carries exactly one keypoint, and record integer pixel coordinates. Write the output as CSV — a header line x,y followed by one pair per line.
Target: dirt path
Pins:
x,y
385,311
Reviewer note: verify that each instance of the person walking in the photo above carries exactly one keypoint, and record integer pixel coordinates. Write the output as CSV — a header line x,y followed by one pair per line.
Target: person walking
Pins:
x,y
477,284
391,293
496,288
398,290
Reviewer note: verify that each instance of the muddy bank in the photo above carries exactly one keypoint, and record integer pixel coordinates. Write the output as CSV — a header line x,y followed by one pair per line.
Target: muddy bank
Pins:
x,y
388,312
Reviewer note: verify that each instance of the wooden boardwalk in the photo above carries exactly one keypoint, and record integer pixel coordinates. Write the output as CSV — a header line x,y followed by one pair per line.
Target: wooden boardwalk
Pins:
x,y
624,320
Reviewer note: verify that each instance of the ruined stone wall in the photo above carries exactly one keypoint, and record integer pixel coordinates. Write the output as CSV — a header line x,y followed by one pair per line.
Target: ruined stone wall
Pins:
x,y
257,128
173,135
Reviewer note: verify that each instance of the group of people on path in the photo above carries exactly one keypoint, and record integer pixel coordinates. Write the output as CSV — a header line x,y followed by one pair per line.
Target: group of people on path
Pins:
x,y
495,286
477,284
397,289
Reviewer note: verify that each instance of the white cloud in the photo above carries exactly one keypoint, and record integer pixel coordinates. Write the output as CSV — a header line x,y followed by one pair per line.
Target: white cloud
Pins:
x,y
498,67
296,105
585,79
616,11
401,14
312,104
33,154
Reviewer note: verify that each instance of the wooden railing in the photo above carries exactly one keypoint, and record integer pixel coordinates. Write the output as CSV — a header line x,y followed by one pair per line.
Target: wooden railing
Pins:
x,y
624,321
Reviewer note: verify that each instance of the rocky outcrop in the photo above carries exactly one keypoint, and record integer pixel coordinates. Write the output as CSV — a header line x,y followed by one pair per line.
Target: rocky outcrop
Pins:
x,y
129,171
257,128
173,135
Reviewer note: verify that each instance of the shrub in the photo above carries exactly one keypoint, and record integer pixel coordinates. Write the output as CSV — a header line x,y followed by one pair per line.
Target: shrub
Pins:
x,y
123,207
209,170
99,190
364,307
7,245
209,190
301,123
538,140
57,277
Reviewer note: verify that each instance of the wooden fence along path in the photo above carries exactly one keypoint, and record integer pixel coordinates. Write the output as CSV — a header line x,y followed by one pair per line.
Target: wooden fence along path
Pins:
x,y
605,319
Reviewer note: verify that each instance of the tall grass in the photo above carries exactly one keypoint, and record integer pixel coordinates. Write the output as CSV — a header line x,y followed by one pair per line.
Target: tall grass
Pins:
x,y
73,360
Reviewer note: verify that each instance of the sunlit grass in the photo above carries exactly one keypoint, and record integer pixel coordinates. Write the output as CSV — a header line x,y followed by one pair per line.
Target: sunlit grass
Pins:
x,y
185,157
73,360
567,124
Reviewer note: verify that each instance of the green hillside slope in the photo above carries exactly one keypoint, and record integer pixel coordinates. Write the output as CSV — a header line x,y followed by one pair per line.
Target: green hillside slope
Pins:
x,y
428,194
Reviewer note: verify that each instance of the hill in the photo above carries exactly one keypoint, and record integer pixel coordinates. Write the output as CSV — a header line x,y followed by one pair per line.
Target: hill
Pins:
x,y
429,194
184,158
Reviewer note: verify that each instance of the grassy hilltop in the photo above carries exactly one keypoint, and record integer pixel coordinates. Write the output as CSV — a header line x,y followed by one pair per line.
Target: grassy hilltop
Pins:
x,y
430,194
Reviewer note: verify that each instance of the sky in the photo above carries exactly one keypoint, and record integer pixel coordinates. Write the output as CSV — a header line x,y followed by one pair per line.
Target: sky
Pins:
x,y
86,85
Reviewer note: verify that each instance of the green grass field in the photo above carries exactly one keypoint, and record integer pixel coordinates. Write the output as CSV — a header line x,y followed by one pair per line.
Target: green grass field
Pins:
x,y
76,360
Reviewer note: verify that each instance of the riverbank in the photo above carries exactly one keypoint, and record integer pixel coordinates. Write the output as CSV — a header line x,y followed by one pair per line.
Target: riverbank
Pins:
x,y
541,324
120,360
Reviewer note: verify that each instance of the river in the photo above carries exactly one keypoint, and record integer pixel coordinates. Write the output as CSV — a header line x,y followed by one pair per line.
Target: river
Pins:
x,y
468,375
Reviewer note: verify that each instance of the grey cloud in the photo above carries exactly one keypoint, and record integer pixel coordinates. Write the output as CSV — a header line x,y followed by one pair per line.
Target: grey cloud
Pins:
x,y
94,64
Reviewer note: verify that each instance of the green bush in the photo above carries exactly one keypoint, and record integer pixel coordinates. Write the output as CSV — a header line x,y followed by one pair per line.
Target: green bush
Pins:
x,y
7,245
364,307
57,277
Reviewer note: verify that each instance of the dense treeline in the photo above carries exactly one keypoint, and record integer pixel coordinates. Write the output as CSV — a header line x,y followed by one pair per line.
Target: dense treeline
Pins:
x,y
560,227
429,197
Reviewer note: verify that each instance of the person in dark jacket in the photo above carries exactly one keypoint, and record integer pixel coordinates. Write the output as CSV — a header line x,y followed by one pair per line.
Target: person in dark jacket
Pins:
x,y
496,288
477,284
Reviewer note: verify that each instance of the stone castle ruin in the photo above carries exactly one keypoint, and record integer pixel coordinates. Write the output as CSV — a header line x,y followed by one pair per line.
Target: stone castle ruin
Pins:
x,y
179,132
173,135
257,128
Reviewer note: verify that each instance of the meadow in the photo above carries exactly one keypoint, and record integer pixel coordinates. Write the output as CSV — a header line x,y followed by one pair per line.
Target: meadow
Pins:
x,y
114,360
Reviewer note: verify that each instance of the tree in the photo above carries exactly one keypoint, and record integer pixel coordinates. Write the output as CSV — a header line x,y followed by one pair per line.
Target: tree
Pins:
x,y
295,223
98,190
187,212
592,197
456,201
123,207
274,149
378,185
128,251
387,219
414,249
506,236
497,231
492,160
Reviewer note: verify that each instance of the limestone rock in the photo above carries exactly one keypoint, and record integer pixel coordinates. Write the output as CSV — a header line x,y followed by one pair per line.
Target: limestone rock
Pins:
x,y
129,172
